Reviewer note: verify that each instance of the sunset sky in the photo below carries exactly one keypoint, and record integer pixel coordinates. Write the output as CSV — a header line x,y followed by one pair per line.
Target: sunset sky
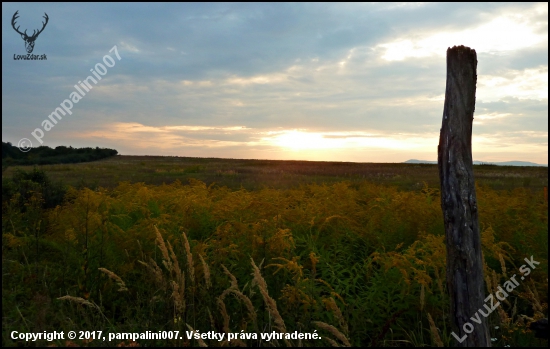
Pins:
x,y
333,82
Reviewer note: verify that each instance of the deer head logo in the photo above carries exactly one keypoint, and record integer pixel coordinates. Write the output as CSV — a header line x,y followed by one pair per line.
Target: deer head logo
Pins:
x,y
29,40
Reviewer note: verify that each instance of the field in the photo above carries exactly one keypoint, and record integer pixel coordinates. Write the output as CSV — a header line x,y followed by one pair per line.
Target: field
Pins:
x,y
257,174
351,252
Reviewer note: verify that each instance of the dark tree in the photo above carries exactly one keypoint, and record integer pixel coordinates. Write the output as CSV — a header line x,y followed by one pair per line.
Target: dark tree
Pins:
x,y
458,200
43,155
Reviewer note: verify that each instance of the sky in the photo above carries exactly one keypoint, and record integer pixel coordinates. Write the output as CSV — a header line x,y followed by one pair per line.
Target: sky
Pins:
x,y
361,82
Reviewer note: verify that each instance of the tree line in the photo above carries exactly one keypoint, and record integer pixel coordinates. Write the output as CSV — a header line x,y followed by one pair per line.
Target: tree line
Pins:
x,y
43,155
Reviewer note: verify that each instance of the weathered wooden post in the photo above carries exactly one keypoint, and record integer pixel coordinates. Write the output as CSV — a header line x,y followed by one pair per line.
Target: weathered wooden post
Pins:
x,y
459,203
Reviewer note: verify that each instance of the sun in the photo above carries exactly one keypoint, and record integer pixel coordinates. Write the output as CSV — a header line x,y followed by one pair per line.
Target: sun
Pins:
x,y
299,140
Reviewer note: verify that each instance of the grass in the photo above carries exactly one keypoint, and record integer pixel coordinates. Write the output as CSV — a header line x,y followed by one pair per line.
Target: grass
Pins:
x,y
257,174
282,246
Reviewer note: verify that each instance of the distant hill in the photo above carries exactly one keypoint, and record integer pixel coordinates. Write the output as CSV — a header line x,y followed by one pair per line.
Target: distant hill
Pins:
x,y
503,163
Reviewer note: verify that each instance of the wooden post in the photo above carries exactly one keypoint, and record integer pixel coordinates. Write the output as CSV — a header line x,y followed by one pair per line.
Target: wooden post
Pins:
x,y
459,203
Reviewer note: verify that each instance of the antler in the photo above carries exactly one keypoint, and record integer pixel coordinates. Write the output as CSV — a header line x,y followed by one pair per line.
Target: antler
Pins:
x,y
34,33
43,24
13,23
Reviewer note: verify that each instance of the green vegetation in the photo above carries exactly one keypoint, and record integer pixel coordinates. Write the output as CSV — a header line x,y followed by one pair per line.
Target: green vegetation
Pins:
x,y
352,251
257,174
43,155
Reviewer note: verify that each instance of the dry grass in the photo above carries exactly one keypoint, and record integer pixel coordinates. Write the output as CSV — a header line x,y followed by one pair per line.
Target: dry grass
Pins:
x,y
234,289
502,265
206,271
232,278
212,324
331,341
177,277
178,297
175,264
225,315
331,303
78,300
118,280
356,255
435,333
269,302
162,246
190,266
82,301
334,331
155,270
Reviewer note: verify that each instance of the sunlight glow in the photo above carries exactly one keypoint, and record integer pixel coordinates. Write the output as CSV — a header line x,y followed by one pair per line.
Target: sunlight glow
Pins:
x,y
297,140
501,34
302,144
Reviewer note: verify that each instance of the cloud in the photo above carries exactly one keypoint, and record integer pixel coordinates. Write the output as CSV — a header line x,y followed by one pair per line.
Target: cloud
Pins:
x,y
500,35
330,81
